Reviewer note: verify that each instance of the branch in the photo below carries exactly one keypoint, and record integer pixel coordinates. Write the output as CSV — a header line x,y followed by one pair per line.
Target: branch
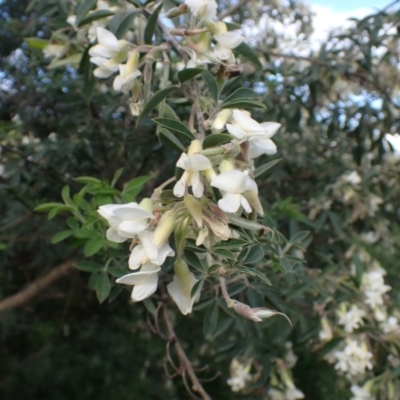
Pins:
x,y
35,288
184,362
232,9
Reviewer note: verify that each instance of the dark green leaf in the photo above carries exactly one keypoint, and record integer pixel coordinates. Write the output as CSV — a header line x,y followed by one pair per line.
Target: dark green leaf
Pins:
x,y
188,73
58,210
83,8
224,253
117,272
60,236
151,25
197,287
248,54
216,139
255,273
264,168
94,16
150,307
232,244
193,260
88,180
47,206
154,101
136,183
299,237
210,320
102,286
232,26
241,94
222,327
245,223
125,24
171,140
175,126
211,83
256,254
117,175
243,104
93,246
88,266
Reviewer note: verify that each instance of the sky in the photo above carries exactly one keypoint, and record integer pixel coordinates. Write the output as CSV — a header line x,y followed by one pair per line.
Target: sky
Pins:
x,y
350,5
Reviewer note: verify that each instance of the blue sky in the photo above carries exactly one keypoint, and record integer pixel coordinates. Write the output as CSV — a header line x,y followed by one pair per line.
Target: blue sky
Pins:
x,y
349,5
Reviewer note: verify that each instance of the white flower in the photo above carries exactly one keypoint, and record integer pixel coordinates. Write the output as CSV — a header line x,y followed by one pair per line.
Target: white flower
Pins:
x,y
360,393
203,9
390,324
351,319
293,394
240,375
192,163
55,50
232,185
126,220
244,128
107,54
353,178
225,43
149,251
354,359
144,281
128,73
373,286
181,287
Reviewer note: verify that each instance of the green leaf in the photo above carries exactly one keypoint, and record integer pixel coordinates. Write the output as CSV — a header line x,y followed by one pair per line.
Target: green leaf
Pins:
x,y
241,94
264,168
299,237
117,175
59,209
88,266
216,139
255,273
211,83
72,60
245,223
86,69
224,253
192,259
308,281
175,126
233,244
83,8
255,254
93,246
125,24
248,53
211,320
222,327
151,25
94,16
88,180
36,43
65,194
169,112
47,206
102,286
151,308
232,26
136,183
117,272
241,103
171,140
197,287
154,101
188,73
60,236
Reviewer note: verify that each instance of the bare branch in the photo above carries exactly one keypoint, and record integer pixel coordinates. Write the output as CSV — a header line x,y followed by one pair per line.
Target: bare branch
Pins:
x,y
36,288
185,363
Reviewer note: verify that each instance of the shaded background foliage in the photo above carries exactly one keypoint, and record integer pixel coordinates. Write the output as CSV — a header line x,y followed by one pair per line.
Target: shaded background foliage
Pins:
x,y
335,104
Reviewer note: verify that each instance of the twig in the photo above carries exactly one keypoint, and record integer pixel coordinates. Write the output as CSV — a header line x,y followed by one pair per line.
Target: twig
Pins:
x,y
185,363
232,9
35,288
199,114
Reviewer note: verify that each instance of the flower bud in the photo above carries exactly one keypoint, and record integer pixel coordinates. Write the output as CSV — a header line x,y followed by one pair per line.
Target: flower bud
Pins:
x,y
132,63
254,201
221,119
209,24
204,40
164,228
177,11
221,28
194,148
226,165
147,204
195,208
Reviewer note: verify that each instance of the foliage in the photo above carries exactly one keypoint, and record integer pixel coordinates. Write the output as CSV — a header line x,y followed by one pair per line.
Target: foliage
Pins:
x,y
71,144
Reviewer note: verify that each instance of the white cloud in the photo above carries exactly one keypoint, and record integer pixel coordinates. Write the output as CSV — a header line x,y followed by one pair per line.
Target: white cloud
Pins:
x,y
326,19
